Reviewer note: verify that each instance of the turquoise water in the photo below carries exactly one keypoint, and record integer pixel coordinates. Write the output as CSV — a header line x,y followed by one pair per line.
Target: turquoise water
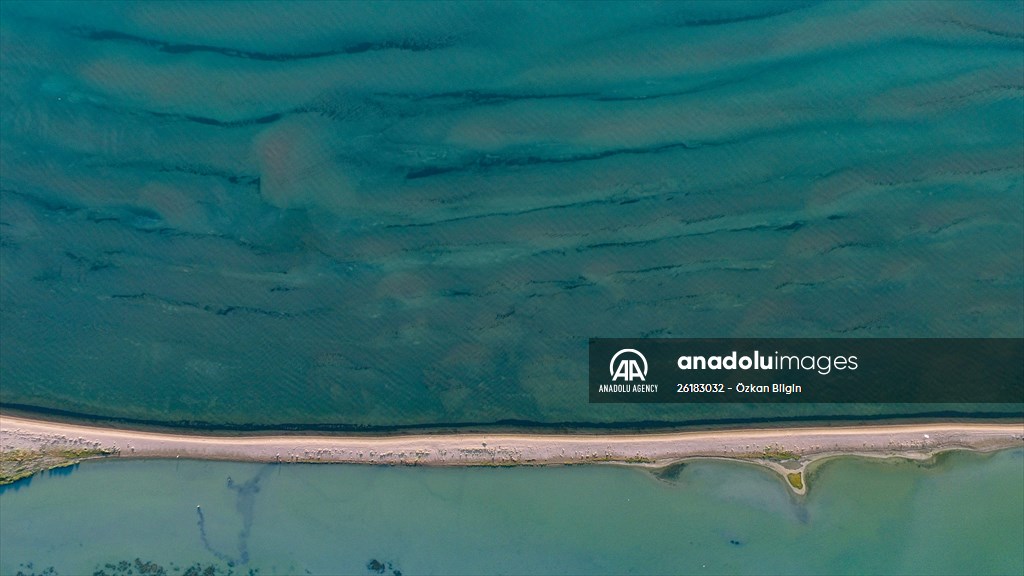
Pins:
x,y
418,213
961,515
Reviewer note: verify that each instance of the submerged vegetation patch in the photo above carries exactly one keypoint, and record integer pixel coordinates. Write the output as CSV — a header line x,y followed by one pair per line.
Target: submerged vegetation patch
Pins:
x,y
380,567
138,567
669,473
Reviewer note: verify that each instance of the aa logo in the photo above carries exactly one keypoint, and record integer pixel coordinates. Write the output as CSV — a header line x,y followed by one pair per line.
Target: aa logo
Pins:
x,y
627,367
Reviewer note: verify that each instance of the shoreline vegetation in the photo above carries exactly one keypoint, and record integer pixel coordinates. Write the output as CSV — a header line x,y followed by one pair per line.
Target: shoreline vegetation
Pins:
x,y
28,446
20,463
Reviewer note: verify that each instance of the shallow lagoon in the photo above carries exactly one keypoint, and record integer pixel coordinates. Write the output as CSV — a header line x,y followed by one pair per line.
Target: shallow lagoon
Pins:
x,y
961,514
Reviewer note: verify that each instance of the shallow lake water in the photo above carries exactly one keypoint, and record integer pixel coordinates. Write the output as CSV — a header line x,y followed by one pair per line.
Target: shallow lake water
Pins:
x,y
961,514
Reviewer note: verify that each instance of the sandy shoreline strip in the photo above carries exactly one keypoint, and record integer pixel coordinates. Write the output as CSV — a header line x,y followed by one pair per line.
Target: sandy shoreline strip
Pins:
x,y
462,449
800,445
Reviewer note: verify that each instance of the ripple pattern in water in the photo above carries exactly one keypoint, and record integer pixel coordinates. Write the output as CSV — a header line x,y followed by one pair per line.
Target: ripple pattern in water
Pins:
x,y
371,214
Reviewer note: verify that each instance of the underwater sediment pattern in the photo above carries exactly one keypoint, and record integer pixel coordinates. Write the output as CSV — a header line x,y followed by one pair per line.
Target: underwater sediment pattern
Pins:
x,y
399,214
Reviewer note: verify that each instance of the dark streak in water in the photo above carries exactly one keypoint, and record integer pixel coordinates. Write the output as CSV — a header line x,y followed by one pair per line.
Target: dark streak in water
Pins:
x,y
982,29
171,48
1012,411
486,162
702,22
191,169
44,203
135,221
647,242
218,310
244,503
582,204
268,119
483,97
206,541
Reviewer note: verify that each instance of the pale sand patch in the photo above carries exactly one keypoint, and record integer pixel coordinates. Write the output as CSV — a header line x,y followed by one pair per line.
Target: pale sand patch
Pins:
x,y
769,447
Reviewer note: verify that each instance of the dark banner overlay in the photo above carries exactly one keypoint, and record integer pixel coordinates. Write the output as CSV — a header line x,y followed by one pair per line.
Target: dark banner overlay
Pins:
x,y
783,370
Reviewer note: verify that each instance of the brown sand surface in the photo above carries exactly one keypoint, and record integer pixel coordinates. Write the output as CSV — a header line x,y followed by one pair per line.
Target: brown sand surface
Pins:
x,y
797,443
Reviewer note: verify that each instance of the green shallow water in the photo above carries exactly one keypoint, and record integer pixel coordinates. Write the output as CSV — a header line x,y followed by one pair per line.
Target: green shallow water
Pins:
x,y
963,514
342,214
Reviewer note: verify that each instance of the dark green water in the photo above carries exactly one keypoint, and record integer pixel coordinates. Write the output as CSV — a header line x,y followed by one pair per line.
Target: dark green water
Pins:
x,y
962,515
341,214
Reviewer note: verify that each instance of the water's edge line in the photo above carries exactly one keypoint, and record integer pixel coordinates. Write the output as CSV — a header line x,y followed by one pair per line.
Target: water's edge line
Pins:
x,y
513,426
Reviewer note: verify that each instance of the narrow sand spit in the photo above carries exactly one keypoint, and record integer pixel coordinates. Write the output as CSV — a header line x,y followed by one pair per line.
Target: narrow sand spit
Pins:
x,y
786,450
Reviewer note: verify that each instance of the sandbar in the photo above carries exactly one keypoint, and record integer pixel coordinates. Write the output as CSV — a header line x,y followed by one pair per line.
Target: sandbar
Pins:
x,y
786,450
